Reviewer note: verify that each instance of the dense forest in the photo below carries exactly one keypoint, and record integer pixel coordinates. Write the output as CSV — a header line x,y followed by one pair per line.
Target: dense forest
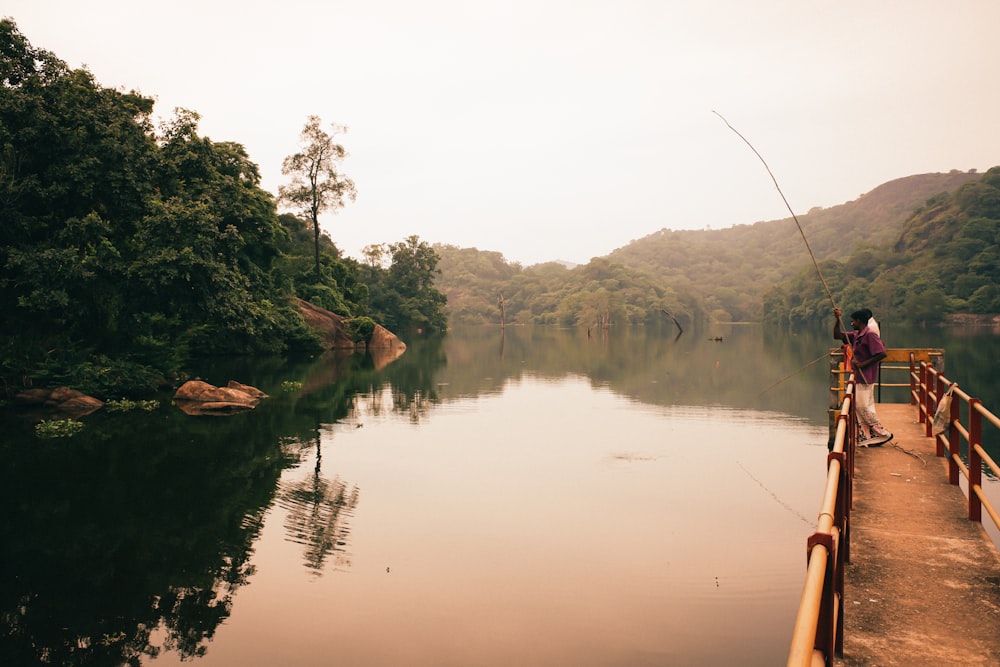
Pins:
x,y
918,248
600,293
127,250
943,260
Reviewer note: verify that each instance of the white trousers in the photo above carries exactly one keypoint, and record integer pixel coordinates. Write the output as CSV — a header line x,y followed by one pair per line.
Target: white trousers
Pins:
x,y
865,395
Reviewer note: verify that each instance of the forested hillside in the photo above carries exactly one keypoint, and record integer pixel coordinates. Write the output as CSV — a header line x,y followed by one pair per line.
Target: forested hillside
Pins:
x,y
752,271
593,295
732,268
945,259
127,250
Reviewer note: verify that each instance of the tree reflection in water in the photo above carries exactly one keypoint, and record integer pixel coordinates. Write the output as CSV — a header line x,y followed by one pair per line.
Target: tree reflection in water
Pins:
x,y
318,516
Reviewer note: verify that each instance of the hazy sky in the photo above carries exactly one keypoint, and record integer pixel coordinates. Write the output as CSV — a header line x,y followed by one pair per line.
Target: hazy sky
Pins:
x,y
561,129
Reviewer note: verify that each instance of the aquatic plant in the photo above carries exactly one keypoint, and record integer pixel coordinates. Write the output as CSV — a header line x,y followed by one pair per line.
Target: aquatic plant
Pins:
x,y
58,428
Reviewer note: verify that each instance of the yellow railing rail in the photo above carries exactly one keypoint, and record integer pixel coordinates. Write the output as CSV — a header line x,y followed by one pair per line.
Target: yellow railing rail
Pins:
x,y
819,629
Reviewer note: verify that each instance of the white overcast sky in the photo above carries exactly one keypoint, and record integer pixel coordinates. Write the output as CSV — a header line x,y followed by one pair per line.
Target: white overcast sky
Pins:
x,y
561,129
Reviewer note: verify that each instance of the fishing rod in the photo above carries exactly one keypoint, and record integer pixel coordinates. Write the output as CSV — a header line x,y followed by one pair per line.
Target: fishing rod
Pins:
x,y
794,217
812,256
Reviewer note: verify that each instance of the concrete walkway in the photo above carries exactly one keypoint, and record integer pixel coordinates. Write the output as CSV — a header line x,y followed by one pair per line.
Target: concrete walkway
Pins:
x,y
923,584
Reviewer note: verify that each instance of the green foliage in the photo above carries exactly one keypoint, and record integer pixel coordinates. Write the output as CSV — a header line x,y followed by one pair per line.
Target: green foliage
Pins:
x,y
340,289
124,251
325,296
58,428
289,386
877,251
101,375
360,329
602,291
128,405
752,259
945,259
404,297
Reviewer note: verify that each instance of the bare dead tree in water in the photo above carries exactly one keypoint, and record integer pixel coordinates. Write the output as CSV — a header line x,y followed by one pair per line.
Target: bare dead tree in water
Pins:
x,y
503,312
680,329
670,315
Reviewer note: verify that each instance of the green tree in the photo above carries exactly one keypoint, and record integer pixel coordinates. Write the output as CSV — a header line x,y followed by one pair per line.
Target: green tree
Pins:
x,y
316,183
405,297
119,248
75,165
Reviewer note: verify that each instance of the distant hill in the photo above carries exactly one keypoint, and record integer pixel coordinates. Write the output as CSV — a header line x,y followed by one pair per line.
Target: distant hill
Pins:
x,y
944,260
725,274
751,258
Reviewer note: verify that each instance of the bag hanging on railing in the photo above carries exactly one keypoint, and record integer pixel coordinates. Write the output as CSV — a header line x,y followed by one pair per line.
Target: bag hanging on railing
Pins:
x,y
942,416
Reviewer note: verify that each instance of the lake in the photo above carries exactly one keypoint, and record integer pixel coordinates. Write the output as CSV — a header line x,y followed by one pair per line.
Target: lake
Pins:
x,y
531,497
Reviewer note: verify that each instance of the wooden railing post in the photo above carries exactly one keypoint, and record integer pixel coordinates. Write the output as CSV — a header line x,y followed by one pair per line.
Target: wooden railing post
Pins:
x,y
975,460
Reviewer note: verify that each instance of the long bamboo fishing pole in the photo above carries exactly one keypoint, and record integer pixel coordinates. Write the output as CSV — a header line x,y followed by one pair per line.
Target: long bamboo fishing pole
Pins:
x,y
794,217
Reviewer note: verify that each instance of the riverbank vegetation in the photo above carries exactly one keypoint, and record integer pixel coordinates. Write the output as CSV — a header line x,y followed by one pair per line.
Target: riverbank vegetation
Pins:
x,y
128,249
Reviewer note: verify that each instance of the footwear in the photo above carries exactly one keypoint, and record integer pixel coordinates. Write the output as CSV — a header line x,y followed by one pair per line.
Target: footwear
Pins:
x,y
879,440
861,440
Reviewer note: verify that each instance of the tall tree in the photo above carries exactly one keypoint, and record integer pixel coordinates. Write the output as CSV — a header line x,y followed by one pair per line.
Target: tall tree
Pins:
x,y
316,183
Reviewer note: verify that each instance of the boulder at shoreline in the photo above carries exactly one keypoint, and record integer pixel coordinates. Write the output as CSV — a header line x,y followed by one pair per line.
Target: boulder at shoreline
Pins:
x,y
195,397
61,401
329,326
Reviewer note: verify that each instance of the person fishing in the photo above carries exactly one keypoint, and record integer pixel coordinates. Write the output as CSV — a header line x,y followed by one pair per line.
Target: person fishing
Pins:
x,y
865,340
867,352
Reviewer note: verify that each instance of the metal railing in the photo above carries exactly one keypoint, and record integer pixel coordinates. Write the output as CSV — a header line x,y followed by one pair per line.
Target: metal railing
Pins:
x,y
818,634
929,387
898,363
819,626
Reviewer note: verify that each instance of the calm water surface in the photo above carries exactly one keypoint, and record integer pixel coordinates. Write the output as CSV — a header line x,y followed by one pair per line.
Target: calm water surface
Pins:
x,y
539,498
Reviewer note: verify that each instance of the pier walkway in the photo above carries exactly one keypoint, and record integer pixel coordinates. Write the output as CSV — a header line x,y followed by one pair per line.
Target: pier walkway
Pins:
x,y
923,584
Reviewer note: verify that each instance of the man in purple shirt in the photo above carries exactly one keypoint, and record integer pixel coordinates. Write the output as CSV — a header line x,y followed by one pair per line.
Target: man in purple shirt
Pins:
x,y
867,352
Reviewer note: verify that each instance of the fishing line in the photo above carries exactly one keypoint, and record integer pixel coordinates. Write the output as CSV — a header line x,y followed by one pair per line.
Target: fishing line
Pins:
x,y
774,495
791,375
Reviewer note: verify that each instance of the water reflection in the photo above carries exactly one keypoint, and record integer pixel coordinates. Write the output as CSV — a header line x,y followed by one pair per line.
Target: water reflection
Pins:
x,y
510,478
318,516
128,541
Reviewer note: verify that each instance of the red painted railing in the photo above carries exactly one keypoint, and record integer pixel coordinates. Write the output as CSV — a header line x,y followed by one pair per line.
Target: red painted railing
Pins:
x,y
818,635
966,419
